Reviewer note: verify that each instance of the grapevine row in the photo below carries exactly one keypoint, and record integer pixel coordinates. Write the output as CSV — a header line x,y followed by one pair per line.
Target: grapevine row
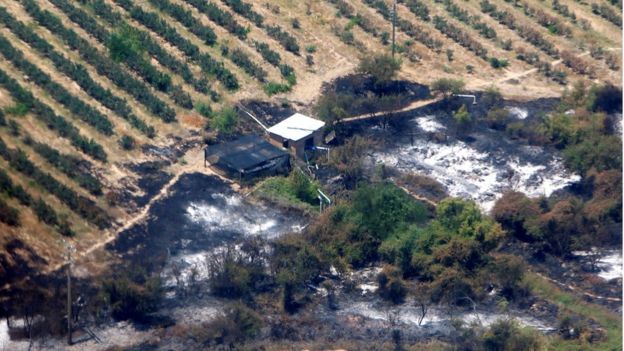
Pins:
x,y
136,62
86,208
104,65
46,115
79,108
42,210
220,17
76,72
159,26
526,32
72,166
416,32
238,57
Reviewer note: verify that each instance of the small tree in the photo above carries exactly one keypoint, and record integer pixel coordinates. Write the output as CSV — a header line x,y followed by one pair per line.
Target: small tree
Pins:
x,y
203,109
383,68
225,121
449,54
127,142
462,118
447,86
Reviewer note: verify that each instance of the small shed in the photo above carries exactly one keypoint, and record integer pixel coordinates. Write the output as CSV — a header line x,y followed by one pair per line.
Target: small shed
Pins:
x,y
247,157
297,133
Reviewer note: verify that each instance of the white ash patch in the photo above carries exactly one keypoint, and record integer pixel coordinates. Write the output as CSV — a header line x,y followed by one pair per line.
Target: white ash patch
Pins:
x,y
368,288
436,318
482,176
518,112
609,263
429,124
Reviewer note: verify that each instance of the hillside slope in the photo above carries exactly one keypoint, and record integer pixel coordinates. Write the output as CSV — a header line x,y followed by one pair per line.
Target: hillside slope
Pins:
x,y
98,98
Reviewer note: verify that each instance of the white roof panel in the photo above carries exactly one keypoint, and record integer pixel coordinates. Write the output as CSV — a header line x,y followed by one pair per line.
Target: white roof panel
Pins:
x,y
296,127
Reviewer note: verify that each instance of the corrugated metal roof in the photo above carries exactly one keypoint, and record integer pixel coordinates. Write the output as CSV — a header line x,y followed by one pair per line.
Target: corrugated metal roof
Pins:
x,y
296,127
244,153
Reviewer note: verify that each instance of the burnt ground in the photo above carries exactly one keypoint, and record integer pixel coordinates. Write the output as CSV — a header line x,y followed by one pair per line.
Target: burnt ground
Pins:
x,y
360,86
574,271
444,113
169,230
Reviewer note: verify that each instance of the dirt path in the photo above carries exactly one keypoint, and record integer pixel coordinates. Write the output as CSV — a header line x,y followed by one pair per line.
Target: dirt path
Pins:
x,y
194,163
412,106
418,197
533,70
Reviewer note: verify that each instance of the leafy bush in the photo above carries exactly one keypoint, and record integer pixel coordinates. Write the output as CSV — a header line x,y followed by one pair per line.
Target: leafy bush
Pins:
x,y
8,214
391,286
124,44
596,152
447,86
236,325
204,109
383,68
513,211
225,121
296,189
508,335
498,63
295,264
18,109
132,295
127,142
236,272
272,88
286,40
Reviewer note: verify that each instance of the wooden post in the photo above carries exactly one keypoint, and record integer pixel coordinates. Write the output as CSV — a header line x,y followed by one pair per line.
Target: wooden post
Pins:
x,y
69,299
394,16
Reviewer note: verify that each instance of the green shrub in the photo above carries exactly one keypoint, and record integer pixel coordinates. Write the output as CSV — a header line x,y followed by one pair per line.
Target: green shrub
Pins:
x,y
125,44
132,295
272,88
236,325
383,68
508,335
203,109
391,285
462,116
448,86
18,109
8,214
127,142
498,63
296,189
225,121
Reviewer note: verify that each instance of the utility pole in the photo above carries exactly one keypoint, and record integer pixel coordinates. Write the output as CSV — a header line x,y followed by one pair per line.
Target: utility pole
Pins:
x,y
70,248
394,16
